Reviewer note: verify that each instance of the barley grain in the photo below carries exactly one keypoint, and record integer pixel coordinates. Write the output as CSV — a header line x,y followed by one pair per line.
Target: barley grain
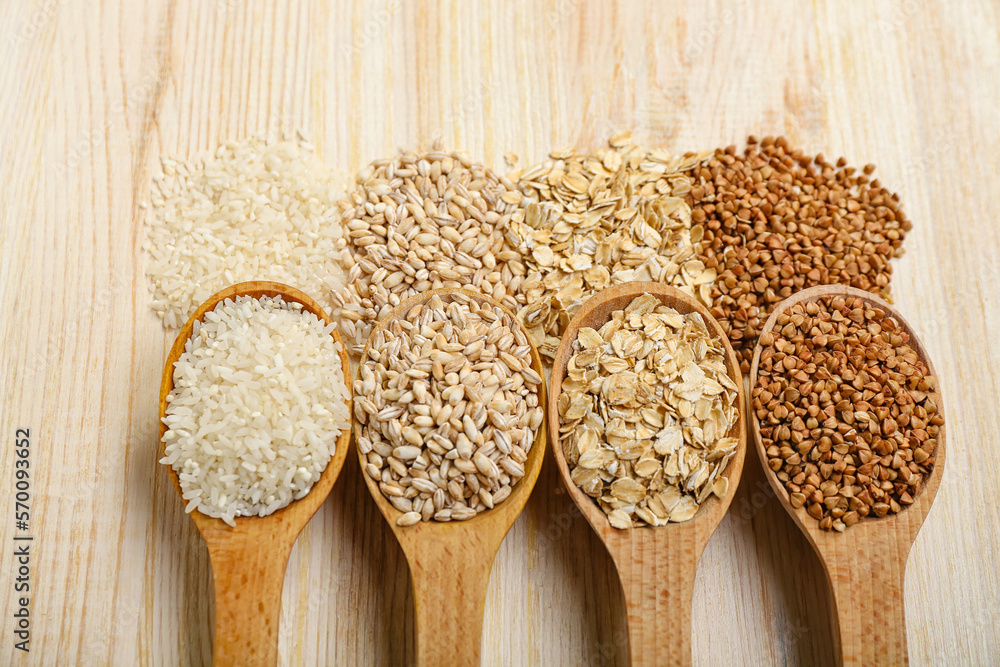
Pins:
x,y
456,413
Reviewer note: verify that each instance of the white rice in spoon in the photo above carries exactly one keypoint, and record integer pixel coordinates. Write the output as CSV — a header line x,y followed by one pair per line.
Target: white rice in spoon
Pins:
x,y
258,403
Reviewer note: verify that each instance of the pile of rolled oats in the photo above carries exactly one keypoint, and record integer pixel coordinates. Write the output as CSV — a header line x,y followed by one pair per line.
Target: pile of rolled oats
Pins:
x,y
421,222
646,408
613,216
449,407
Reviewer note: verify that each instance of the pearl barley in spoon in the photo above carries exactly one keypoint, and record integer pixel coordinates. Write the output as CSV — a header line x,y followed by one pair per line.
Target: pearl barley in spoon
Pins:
x,y
248,560
656,566
450,562
864,564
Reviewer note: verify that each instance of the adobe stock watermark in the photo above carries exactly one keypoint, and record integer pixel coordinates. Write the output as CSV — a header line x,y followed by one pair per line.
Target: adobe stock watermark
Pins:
x,y
604,653
898,16
93,307
757,498
562,11
707,33
374,26
83,148
556,527
23,539
944,142
743,509
33,25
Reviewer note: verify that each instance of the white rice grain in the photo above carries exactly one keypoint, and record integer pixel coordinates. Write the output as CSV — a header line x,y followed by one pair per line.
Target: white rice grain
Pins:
x,y
252,211
258,402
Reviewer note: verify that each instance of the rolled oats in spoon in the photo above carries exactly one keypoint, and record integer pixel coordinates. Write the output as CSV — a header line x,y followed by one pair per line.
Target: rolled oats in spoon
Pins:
x,y
646,409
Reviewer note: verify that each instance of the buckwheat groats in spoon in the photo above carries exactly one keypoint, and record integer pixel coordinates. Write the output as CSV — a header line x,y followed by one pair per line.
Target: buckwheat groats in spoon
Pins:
x,y
848,419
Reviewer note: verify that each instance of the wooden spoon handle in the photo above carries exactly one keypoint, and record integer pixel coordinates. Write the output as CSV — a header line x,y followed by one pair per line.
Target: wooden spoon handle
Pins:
x,y
248,579
869,623
449,592
658,583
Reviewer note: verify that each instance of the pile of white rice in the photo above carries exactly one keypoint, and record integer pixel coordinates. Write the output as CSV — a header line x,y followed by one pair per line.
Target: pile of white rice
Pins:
x,y
259,400
252,211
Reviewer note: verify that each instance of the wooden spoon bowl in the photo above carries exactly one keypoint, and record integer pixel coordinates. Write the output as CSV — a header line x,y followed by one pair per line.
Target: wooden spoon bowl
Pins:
x,y
656,566
249,560
865,564
450,562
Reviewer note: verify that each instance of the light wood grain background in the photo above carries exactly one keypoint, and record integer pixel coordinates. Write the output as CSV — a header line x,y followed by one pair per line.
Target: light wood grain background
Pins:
x,y
92,92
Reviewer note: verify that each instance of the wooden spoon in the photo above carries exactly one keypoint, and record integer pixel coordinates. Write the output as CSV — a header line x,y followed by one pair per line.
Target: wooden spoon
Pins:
x,y
248,561
656,566
450,562
865,564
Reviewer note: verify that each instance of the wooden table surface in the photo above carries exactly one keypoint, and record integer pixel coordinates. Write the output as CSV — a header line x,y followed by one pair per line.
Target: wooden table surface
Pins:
x,y
91,93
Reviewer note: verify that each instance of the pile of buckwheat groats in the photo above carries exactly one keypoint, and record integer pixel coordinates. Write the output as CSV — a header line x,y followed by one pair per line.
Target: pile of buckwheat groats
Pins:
x,y
776,221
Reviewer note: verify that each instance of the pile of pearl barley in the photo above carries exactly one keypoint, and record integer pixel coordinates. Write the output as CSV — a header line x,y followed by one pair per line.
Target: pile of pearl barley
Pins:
x,y
449,408
420,222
